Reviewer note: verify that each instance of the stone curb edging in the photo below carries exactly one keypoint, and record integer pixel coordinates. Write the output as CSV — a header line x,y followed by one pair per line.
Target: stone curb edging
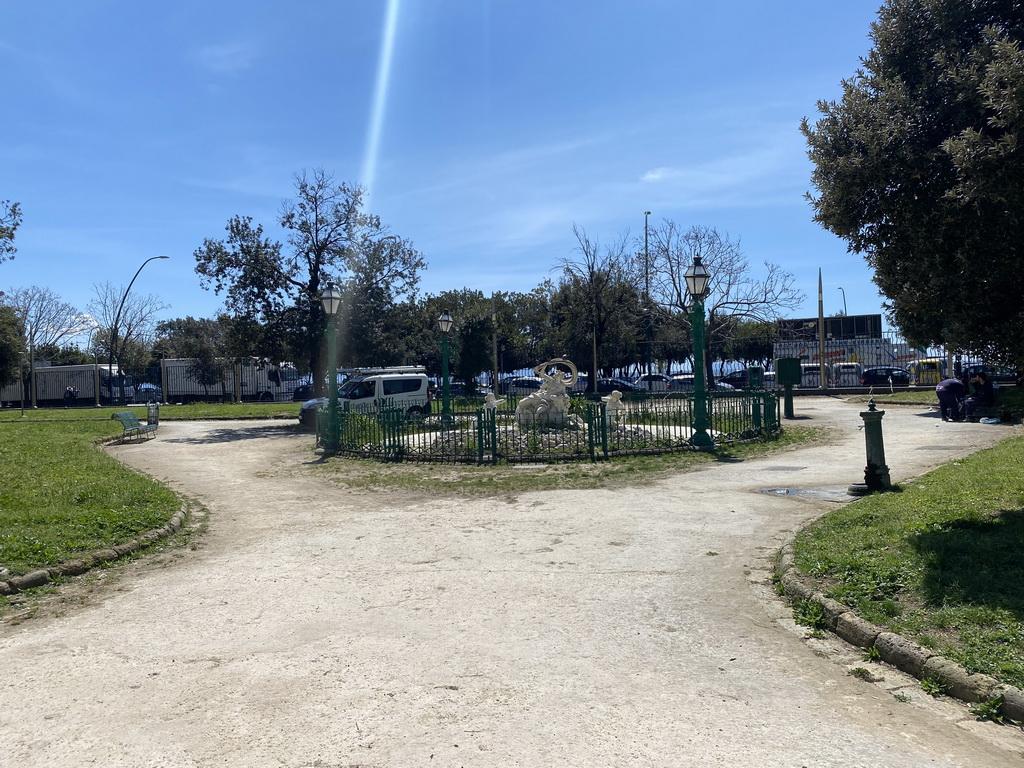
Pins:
x,y
77,567
896,650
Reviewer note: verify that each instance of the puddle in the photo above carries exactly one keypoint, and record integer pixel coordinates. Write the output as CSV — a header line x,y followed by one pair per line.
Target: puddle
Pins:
x,y
832,493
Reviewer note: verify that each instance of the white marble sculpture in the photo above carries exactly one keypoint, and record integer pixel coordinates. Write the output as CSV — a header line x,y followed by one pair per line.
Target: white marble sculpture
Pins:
x,y
549,406
613,408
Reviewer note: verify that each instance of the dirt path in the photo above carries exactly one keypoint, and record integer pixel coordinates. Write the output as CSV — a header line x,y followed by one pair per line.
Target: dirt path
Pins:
x,y
319,627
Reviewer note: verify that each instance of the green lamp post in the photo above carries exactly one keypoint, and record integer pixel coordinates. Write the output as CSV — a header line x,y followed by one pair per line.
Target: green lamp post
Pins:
x,y
444,325
330,297
697,281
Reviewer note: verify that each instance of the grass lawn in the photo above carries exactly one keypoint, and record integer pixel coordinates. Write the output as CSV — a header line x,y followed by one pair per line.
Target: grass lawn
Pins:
x,y
939,561
1011,399
60,497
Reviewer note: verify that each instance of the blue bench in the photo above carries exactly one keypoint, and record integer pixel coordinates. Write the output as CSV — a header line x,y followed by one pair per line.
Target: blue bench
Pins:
x,y
133,428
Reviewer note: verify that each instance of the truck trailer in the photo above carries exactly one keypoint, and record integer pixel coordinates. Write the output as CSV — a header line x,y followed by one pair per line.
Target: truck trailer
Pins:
x,y
186,380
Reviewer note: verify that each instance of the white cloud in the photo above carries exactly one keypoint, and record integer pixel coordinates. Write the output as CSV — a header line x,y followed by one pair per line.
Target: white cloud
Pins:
x,y
226,58
661,174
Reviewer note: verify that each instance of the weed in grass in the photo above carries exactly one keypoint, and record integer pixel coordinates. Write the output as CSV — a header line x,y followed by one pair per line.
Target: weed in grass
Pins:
x,y
991,709
861,673
935,685
810,613
872,654
902,698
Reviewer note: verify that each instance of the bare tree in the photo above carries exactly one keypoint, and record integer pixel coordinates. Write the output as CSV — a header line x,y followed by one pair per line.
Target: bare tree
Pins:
x,y
135,324
734,292
601,282
48,320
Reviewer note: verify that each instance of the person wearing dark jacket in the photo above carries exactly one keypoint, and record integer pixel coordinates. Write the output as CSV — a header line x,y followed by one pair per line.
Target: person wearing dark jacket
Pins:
x,y
950,393
984,394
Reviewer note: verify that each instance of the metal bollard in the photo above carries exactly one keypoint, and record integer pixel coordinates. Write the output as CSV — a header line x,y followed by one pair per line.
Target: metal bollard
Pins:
x,y
876,473
153,413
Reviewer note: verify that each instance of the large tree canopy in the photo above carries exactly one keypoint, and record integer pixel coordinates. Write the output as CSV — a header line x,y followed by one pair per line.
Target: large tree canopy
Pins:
x,y
12,344
329,238
920,168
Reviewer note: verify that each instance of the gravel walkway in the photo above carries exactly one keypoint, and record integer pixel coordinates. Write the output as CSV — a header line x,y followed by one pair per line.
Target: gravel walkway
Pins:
x,y
319,627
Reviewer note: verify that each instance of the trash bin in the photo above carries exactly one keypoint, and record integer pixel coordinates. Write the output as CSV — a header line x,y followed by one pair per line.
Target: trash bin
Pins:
x,y
153,414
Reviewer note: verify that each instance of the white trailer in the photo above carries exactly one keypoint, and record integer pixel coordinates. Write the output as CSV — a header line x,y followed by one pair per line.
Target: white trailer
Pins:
x,y
186,380
47,385
867,352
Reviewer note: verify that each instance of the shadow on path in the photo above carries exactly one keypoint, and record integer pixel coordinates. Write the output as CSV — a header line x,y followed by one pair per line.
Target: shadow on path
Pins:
x,y
234,434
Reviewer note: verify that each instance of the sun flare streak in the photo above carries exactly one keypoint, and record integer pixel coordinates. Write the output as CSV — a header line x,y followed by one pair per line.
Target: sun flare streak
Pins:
x,y
368,175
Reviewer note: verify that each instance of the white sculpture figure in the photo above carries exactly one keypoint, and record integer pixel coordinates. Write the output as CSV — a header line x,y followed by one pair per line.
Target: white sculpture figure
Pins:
x,y
613,408
549,406
490,403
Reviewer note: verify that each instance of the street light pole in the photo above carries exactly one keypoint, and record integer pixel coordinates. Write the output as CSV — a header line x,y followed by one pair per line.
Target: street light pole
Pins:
x,y
444,324
697,281
845,313
113,333
649,328
331,300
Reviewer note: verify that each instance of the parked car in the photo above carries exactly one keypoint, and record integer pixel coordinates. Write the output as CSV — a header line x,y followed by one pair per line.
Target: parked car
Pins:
x,y
738,379
368,389
607,385
148,393
684,383
810,376
461,389
885,376
845,374
653,382
521,385
996,374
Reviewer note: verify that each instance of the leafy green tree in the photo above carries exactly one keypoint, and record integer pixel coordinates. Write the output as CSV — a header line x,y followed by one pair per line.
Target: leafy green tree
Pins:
x,y
12,345
274,287
10,220
471,342
919,168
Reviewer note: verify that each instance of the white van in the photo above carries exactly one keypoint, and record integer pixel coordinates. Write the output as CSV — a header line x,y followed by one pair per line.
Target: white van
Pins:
x,y
846,374
367,390
810,376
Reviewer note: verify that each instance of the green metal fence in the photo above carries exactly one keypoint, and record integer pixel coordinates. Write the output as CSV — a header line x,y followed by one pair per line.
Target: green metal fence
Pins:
x,y
589,432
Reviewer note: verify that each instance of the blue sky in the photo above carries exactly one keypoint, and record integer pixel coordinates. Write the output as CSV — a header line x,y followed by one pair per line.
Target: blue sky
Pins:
x,y
132,130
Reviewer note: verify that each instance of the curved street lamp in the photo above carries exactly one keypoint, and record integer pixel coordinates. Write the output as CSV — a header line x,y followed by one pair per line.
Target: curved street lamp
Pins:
x,y
698,280
113,333
331,297
648,319
844,301
444,325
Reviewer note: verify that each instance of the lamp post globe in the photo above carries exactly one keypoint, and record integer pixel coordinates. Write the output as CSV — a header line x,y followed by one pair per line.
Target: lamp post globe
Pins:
x,y
444,325
331,298
698,280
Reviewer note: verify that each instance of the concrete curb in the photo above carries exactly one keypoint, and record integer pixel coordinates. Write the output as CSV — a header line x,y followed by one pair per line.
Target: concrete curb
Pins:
x,y
77,567
896,650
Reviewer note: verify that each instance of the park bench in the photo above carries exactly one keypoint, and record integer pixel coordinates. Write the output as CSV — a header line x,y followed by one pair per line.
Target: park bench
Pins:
x,y
133,429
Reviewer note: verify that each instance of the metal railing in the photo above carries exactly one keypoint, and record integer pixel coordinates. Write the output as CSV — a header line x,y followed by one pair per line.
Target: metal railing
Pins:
x,y
589,432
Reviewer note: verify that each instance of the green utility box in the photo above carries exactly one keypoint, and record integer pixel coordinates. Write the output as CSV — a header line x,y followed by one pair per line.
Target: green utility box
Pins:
x,y
787,371
755,377
787,376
